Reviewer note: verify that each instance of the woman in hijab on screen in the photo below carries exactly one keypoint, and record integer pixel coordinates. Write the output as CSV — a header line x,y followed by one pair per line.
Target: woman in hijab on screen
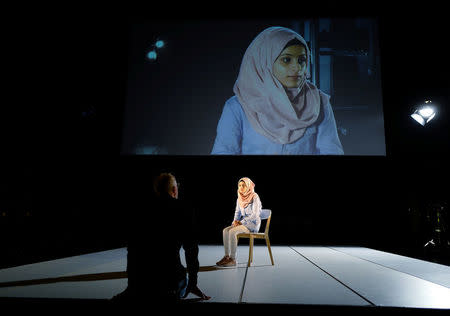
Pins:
x,y
246,219
275,109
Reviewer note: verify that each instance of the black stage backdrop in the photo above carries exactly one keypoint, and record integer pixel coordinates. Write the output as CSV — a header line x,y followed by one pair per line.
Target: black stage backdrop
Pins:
x,y
66,190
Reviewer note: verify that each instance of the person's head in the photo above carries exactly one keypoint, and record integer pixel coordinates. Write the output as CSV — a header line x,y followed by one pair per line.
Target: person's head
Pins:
x,y
291,65
244,185
272,86
166,184
276,55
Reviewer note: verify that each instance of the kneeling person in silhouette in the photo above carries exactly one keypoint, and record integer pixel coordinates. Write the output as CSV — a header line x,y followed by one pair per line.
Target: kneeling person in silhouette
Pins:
x,y
162,276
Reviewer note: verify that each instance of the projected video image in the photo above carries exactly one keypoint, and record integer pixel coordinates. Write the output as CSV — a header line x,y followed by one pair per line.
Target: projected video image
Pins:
x,y
251,87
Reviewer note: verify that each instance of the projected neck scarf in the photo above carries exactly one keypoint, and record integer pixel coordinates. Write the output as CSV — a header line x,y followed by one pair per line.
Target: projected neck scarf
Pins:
x,y
282,115
246,198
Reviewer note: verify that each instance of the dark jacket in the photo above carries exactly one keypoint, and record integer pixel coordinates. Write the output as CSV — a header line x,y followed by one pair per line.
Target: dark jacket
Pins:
x,y
157,235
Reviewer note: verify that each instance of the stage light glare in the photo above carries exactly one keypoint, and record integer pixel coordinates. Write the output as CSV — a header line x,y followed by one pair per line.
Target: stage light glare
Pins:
x,y
159,44
424,113
152,55
419,119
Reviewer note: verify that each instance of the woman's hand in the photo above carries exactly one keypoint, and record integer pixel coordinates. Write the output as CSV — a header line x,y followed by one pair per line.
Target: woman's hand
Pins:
x,y
236,223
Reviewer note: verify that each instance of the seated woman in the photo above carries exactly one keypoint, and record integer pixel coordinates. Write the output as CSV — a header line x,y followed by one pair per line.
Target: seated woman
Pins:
x,y
246,219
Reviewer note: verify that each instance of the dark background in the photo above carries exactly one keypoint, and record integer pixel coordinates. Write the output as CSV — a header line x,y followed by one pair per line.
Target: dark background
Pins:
x,y
65,189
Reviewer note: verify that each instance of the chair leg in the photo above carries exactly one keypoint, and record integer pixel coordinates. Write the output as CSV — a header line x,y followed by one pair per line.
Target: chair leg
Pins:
x,y
270,251
250,252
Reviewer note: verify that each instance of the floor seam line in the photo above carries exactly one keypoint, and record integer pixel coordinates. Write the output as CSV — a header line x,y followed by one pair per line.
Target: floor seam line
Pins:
x,y
243,286
348,287
381,265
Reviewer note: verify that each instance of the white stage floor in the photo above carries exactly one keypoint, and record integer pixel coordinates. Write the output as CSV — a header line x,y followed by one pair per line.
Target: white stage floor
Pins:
x,y
303,275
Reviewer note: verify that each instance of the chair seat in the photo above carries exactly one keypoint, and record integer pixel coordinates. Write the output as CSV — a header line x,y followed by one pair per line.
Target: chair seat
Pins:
x,y
254,235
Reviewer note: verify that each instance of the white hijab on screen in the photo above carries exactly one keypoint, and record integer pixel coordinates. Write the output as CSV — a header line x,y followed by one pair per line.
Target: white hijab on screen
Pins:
x,y
282,115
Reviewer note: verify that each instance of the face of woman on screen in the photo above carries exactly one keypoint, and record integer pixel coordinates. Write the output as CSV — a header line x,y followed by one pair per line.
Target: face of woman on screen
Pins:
x,y
242,187
290,67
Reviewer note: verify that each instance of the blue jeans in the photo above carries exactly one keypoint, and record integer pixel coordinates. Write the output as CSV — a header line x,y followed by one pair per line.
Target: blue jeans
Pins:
x,y
182,287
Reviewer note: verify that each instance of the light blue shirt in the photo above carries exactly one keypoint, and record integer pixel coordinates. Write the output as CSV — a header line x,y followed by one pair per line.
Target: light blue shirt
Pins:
x,y
236,136
250,215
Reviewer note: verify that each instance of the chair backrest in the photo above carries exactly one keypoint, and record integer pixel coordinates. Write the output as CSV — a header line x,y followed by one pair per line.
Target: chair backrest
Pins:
x,y
266,214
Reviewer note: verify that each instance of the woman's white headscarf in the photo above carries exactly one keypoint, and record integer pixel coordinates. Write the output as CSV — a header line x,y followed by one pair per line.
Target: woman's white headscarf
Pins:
x,y
271,111
246,198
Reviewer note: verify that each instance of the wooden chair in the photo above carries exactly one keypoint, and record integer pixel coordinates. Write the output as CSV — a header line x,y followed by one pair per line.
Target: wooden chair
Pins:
x,y
265,214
